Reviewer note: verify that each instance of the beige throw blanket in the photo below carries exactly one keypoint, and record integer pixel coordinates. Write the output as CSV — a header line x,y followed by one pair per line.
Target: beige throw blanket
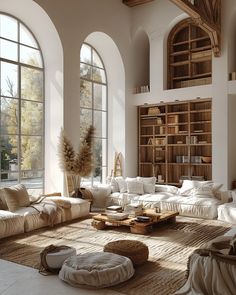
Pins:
x,y
49,206
212,269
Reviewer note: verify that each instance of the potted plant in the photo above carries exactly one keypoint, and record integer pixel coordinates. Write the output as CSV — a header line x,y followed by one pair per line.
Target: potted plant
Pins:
x,y
76,164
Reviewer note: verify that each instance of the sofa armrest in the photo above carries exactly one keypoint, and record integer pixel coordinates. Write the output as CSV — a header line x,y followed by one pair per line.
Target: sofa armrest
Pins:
x,y
224,196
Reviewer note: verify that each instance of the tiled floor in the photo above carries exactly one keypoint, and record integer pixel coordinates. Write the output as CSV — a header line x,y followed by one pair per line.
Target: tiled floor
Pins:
x,y
20,280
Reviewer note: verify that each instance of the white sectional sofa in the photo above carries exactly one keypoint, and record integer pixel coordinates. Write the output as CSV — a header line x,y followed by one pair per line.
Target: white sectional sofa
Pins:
x,y
21,213
195,198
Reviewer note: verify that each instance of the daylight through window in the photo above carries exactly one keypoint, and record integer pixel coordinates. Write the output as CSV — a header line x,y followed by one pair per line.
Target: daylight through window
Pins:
x,y
93,107
21,106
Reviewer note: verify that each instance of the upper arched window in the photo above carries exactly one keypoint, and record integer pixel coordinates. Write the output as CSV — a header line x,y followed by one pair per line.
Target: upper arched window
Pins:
x,y
189,56
21,105
93,106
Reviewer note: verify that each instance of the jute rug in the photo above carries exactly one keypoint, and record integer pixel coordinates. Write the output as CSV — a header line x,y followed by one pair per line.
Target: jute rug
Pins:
x,y
169,248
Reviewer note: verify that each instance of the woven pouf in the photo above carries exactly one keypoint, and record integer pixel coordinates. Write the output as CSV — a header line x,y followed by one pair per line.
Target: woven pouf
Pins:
x,y
135,250
55,259
96,270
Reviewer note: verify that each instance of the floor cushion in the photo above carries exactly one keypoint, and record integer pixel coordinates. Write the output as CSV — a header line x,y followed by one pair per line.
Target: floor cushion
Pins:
x,y
134,250
96,270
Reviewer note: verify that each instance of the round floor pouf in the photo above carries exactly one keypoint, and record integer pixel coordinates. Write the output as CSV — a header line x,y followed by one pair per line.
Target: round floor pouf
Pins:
x,y
96,270
135,250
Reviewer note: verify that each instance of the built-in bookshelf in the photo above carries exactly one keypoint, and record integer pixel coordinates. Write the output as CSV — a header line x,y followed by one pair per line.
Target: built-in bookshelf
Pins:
x,y
189,56
175,140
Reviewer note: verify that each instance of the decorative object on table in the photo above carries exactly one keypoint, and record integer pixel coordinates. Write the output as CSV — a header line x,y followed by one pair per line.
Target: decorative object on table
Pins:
x,y
76,164
136,251
206,159
114,208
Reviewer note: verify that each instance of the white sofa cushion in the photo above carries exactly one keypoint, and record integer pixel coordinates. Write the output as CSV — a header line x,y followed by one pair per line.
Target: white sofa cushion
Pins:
x,y
148,184
192,206
199,188
227,212
166,188
10,224
135,187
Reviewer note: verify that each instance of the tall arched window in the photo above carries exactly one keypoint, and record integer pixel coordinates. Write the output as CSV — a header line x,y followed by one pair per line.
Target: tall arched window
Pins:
x,y
21,106
93,107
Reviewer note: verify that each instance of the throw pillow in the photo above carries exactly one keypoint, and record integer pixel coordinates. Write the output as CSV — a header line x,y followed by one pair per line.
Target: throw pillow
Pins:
x,y
148,184
16,196
114,185
203,191
3,203
121,184
135,187
166,188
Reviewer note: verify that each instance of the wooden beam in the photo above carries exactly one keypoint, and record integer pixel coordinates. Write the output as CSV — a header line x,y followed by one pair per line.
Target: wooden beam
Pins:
x,y
132,3
206,14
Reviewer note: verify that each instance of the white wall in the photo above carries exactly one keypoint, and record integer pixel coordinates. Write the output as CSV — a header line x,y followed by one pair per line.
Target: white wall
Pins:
x,y
43,29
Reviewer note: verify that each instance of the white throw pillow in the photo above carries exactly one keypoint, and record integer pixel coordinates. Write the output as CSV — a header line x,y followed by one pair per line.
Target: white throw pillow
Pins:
x,y
148,184
203,191
114,185
135,187
201,188
16,196
166,188
121,184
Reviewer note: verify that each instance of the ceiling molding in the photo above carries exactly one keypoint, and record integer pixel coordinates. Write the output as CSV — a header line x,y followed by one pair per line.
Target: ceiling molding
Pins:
x,y
132,3
207,15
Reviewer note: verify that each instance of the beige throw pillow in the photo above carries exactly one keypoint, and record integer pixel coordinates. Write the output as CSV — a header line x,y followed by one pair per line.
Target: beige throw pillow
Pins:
x,y
16,196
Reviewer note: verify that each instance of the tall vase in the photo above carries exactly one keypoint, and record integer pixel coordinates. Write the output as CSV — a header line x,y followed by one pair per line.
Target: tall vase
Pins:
x,y
73,185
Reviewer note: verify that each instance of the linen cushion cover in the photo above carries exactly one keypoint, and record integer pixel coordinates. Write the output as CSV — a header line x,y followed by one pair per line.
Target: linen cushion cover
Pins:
x,y
148,184
3,204
199,188
96,270
166,188
16,196
135,187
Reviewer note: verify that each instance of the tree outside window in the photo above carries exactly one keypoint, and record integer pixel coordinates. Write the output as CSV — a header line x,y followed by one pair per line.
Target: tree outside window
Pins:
x,y
93,107
21,106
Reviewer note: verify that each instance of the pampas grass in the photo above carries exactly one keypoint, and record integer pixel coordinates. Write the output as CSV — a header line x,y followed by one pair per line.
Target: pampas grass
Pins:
x,y
78,164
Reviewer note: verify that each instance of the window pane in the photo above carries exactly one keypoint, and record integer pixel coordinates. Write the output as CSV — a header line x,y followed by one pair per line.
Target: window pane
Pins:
x,y
31,118
100,97
9,152
33,180
99,75
31,84
8,27
85,94
8,50
32,152
85,54
98,152
9,179
85,120
96,60
85,71
9,78
26,37
9,116
100,123
30,56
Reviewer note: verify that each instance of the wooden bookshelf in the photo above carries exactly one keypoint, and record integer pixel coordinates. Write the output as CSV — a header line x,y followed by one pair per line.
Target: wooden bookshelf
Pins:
x,y
172,142
189,56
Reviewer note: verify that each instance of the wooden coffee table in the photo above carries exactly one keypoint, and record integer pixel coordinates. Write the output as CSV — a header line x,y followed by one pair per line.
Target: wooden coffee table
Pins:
x,y
101,220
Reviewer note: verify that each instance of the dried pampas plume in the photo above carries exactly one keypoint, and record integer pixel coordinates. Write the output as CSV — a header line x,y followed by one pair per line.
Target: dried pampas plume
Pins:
x,y
66,153
81,163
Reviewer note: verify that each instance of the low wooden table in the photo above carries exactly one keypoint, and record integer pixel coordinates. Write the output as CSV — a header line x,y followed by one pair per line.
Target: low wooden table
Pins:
x,y
101,220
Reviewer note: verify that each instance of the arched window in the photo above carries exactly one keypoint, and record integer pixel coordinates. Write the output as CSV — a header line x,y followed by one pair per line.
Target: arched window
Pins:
x,y
21,106
93,107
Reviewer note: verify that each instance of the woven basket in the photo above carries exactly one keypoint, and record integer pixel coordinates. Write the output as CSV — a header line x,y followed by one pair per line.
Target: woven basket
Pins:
x,y
136,251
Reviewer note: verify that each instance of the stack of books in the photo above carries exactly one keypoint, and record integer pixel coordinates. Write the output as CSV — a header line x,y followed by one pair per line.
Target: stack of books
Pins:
x,y
114,209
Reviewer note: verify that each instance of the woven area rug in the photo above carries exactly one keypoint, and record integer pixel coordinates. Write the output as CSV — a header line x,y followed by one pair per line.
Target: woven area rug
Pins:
x,y
169,248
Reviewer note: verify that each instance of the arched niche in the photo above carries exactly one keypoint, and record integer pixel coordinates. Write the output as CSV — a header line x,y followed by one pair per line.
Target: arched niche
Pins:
x,y
189,56
114,66
44,30
141,61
